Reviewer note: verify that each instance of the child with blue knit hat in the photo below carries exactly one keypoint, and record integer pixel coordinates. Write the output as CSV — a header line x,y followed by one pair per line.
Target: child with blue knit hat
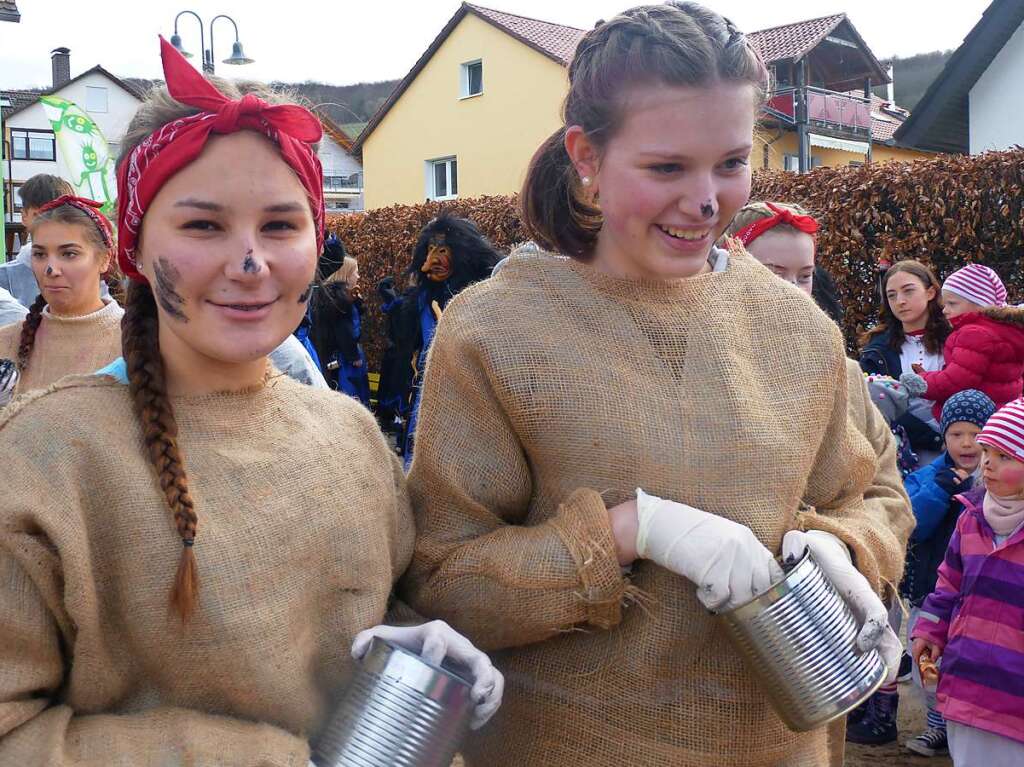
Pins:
x,y
932,490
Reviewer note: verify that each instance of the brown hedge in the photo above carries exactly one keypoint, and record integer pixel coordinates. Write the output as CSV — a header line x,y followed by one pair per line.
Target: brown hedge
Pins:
x,y
946,211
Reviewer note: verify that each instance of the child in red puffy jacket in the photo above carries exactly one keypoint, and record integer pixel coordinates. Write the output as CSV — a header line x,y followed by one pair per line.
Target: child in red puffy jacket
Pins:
x,y
985,351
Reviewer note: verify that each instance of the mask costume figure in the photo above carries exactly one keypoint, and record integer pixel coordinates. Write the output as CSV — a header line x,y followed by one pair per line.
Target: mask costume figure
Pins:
x,y
336,312
450,255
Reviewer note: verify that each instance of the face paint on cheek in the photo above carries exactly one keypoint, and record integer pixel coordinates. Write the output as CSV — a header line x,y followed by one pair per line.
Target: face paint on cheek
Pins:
x,y
167,277
304,295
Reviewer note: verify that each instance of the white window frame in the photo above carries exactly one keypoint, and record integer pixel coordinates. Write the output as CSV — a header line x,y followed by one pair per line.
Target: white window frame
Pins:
x,y
464,79
91,93
431,191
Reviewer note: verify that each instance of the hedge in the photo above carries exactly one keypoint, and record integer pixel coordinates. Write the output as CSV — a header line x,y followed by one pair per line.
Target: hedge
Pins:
x,y
946,211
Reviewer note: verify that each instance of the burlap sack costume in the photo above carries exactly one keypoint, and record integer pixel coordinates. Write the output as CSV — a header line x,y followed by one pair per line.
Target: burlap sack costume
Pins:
x,y
552,392
293,561
868,420
66,345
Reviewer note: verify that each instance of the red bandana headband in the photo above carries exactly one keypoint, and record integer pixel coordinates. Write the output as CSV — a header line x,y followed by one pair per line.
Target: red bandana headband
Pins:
x,y
91,208
169,149
805,224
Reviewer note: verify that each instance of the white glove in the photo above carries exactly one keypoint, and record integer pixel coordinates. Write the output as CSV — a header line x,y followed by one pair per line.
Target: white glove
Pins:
x,y
723,558
834,559
436,641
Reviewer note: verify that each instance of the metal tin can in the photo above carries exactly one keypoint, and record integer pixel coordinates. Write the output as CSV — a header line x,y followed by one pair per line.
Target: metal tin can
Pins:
x,y
797,638
399,711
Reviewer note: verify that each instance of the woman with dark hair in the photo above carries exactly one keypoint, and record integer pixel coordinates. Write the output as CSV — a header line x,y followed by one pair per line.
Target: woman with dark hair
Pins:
x,y
335,329
608,445
70,329
911,330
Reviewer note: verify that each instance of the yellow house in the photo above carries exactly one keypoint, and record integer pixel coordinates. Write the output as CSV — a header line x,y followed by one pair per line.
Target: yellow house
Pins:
x,y
488,91
469,115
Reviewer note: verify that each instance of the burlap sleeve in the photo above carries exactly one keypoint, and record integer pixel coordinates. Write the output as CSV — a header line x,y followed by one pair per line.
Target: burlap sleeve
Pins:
x,y
856,491
476,565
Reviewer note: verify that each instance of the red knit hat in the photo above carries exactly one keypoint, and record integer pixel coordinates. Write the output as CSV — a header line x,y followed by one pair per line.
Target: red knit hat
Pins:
x,y
1005,430
977,284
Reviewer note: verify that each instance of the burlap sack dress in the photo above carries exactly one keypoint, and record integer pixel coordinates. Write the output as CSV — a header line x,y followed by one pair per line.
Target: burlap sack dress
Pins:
x,y
293,562
66,345
552,392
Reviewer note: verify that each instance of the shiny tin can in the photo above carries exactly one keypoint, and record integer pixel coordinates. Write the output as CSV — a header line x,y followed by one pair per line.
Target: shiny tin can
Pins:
x,y
399,711
797,638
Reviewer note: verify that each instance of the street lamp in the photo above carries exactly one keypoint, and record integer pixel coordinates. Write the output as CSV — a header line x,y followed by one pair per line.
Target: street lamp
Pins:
x,y
237,54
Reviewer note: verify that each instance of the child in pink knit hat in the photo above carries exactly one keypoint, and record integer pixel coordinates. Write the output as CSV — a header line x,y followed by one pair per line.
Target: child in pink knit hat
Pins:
x,y
974,619
985,351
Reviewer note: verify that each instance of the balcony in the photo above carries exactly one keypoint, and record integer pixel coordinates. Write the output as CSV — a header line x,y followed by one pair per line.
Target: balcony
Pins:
x,y
837,114
351,183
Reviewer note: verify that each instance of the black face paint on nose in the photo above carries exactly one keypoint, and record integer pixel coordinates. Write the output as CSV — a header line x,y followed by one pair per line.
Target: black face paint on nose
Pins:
x,y
49,271
249,265
707,209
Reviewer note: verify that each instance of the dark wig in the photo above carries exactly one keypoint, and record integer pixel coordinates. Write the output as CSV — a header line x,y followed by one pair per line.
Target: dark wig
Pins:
x,y
473,256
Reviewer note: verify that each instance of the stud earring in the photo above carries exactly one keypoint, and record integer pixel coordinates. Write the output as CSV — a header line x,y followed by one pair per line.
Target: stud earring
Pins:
x,y
585,180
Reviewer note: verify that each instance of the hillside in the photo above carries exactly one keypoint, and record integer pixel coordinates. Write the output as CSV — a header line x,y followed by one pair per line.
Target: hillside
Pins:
x,y
351,106
912,76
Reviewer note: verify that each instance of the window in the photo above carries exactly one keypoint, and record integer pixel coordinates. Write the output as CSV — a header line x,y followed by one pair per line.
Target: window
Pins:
x,y
334,183
95,98
33,145
471,79
442,179
793,162
14,199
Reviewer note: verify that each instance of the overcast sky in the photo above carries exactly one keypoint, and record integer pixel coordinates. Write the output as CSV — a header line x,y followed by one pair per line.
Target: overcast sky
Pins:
x,y
349,42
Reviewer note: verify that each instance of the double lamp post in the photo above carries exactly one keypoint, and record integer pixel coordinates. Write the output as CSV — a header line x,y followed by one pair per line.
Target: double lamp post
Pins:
x,y
237,54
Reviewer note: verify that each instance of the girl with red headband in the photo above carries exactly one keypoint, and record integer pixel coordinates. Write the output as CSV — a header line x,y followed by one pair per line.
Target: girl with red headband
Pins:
x,y
178,583
69,329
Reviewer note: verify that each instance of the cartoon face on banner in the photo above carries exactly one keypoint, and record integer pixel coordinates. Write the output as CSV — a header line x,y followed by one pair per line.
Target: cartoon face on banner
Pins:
x,y
83,150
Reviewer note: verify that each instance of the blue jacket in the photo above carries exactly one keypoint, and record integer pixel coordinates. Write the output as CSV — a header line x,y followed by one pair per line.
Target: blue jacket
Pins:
x,y
931,490
878,358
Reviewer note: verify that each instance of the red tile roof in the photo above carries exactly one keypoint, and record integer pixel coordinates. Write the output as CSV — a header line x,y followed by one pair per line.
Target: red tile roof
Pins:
x,y
791,41
553,40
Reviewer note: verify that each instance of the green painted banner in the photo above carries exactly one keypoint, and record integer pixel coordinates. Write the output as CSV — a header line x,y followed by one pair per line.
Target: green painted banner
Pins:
x,y
84,152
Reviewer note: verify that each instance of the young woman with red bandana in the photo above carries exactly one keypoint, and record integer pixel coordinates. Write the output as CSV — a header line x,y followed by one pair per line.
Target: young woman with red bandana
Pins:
x,y
180,581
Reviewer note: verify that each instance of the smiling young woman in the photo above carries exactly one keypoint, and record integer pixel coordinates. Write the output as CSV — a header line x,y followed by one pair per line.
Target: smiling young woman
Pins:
x,y
191,460
638,356
69,329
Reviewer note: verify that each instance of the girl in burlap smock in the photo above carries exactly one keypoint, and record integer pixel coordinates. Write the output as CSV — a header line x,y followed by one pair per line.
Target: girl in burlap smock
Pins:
x,y
191,455
69,329
646,359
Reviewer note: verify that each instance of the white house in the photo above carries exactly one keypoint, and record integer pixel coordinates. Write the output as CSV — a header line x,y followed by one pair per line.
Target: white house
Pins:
x,y
974,104
343,173
30,146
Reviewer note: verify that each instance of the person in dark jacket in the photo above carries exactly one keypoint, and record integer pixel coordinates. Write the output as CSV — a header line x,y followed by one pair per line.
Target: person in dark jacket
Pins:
x,y
336,329
911,330
933,490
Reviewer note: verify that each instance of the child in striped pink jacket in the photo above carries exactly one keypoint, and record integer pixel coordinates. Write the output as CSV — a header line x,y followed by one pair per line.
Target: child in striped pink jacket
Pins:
x,y
974,619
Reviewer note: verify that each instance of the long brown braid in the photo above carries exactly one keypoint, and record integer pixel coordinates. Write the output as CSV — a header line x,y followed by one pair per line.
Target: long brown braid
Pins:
x,y
28,332
140,345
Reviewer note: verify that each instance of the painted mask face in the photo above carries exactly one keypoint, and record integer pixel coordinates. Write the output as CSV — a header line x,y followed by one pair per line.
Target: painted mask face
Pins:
x,y
67,267
79,124
229,248
89,158
438,264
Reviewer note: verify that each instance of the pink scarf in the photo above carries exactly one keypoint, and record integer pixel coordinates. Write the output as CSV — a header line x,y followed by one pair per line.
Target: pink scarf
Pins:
x,y
1004,514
